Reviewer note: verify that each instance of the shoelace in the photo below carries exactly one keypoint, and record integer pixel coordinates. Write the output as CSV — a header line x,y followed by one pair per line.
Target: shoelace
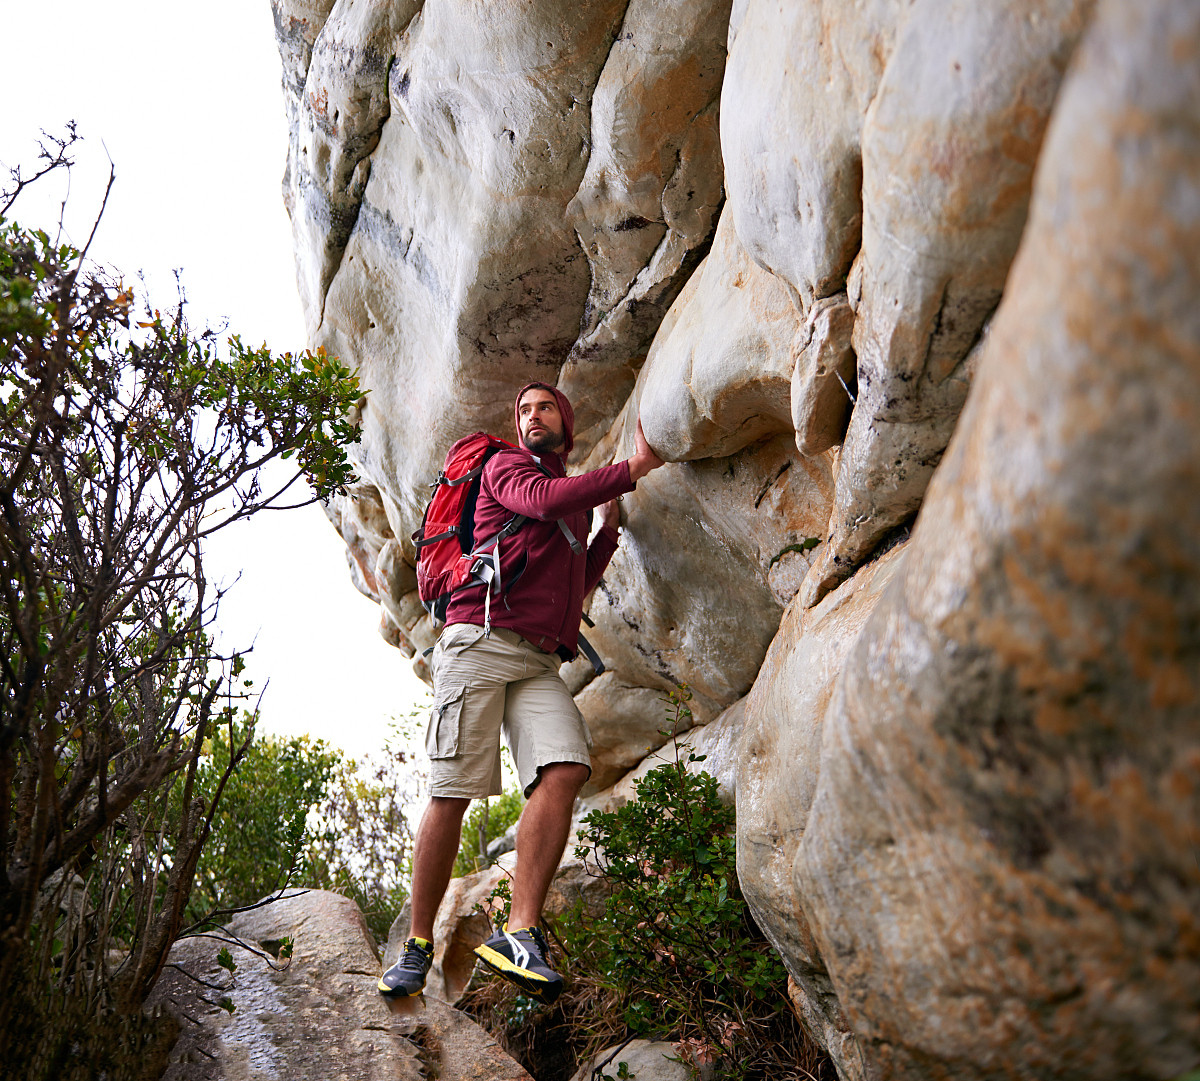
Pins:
x,y
414,956
539,942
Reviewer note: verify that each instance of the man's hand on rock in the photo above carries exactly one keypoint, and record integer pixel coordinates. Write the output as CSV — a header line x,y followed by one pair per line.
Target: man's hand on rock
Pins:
x,y
610,514
644,459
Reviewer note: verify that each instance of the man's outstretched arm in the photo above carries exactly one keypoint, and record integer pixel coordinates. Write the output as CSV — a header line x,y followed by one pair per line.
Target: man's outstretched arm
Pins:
x,y
604,544
522,487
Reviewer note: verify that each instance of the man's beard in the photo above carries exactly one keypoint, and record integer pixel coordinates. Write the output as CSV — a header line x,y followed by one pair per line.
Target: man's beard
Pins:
x,y
542,441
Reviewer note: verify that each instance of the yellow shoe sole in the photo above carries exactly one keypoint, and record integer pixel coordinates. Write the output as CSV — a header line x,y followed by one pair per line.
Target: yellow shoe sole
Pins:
x,y
531,983
397,992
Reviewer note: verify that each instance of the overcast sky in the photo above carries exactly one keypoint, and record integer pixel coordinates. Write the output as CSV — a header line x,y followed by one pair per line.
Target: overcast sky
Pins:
x,y
186,101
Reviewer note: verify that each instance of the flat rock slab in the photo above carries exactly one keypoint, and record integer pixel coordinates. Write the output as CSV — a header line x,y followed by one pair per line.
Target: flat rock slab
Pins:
x,y
317,1017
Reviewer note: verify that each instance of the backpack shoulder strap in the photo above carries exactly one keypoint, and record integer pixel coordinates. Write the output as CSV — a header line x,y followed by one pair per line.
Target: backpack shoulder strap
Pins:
x,y
576,547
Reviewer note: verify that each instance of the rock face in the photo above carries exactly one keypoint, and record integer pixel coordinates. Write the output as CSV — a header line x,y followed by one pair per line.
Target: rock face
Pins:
x,y
862,270
1001,851
781,740
912,135
317,1017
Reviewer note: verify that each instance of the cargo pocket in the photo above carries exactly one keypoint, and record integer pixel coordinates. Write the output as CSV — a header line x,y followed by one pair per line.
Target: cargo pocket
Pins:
x,y
453,641
441,740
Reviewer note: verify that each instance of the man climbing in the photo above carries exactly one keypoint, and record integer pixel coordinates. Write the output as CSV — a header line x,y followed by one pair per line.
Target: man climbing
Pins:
x,y
506,681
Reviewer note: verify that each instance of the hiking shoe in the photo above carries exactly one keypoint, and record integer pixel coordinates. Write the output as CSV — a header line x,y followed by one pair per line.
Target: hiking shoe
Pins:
x,y
520,957
407,976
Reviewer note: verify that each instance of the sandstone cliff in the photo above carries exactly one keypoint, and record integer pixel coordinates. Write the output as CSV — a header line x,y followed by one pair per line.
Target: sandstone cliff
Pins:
x,y
918,280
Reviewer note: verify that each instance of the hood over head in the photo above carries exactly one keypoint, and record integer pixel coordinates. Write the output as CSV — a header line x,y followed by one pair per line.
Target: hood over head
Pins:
x,y
564,407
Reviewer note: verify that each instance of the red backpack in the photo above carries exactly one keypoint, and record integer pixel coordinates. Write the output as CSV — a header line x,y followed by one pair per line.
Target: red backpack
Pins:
x,y
448,555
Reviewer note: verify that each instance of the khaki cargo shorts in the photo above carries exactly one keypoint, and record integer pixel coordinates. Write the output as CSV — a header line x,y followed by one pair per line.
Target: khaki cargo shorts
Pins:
x,y
485,687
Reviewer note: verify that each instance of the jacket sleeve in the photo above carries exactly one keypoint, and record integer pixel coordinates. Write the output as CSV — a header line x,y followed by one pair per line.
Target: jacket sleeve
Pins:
x,y
600,551
519,486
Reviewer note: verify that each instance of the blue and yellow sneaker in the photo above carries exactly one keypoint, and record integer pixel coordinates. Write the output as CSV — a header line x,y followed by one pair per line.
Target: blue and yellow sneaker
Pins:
x,y
520,957
407,976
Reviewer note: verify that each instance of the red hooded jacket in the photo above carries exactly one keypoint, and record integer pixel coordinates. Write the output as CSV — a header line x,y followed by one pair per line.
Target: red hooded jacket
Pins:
x,y
543,583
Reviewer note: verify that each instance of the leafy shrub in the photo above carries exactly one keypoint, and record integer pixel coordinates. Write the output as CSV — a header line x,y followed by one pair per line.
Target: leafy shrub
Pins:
x,y
677,943
260,827
674,955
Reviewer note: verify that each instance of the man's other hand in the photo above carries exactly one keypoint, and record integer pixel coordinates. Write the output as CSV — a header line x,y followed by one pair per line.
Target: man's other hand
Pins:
x,y
644,459
610,514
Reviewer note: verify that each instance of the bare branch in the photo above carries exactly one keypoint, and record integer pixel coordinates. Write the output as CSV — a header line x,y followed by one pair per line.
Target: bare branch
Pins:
x,y
54,157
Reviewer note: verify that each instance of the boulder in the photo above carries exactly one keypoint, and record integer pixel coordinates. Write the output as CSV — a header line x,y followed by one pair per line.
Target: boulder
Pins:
x,y
898,109
452,1047
798,82
999,866
578,884
824,375
710,550
717,742
719,374
626,723
314,1017
644,1060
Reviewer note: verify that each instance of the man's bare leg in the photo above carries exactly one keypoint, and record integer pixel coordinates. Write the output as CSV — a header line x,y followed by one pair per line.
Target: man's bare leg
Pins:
x,y
541,839
437,845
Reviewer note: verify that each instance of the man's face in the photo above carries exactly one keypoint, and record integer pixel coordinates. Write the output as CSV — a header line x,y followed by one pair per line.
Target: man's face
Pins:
x,y
539,421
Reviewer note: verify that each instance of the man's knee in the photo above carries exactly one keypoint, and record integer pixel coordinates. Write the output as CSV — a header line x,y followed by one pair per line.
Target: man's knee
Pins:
x,y
564,778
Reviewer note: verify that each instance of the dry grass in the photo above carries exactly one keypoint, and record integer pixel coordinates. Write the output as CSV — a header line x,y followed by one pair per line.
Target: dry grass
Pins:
x,y
552,1041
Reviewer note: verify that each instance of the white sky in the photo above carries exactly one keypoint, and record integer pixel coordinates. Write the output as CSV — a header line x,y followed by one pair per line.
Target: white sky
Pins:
x,y
187,101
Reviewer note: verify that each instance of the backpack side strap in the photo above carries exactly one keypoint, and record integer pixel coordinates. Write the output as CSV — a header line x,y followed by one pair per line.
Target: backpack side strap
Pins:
x,y
589,651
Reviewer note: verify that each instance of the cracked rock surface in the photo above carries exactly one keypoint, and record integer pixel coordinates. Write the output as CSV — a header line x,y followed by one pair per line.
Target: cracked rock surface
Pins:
x,y
317,1017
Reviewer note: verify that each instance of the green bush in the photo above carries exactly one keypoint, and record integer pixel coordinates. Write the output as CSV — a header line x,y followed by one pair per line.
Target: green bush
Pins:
x,y
259,831
486,820
676,943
